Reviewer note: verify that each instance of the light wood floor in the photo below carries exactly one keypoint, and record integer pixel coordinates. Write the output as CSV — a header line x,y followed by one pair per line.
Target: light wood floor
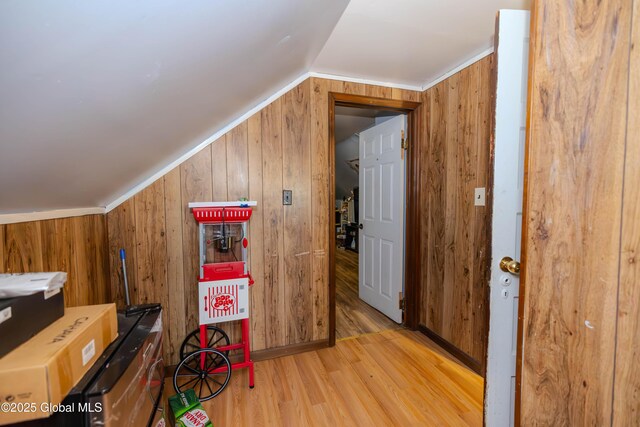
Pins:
x,y
354,316
391,378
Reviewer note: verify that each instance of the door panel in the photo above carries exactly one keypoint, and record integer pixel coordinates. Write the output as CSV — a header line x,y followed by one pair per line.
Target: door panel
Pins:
x,y
510,127
382,202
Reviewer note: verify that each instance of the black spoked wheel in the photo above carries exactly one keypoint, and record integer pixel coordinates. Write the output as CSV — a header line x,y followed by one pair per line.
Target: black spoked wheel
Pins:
x,y
215,337
195,371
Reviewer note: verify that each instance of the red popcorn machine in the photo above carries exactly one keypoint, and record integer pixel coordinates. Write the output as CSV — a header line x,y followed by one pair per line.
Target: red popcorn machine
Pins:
x,y
223,295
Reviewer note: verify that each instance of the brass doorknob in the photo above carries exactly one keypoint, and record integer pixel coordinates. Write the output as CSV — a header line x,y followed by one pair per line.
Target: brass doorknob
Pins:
x,y
507,264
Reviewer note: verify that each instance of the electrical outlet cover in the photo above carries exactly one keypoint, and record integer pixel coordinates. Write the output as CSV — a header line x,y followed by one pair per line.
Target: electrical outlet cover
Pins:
x,y
287,196
479,197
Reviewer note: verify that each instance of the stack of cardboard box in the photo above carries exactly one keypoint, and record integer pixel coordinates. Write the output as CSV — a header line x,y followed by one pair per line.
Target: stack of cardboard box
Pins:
x,y
45,350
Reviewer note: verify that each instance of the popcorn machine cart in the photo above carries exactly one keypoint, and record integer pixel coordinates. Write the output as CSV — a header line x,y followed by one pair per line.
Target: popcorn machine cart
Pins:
x,y
223,295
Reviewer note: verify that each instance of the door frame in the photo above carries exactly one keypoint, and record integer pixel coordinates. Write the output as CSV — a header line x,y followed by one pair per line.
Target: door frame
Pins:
x,y
412,201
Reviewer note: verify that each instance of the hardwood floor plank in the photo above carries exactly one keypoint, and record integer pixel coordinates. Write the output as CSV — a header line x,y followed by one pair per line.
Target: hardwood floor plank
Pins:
x,y
354,384
354,316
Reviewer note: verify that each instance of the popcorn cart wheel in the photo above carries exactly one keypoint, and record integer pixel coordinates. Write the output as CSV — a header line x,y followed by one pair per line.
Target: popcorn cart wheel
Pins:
x,y
206,371
215,337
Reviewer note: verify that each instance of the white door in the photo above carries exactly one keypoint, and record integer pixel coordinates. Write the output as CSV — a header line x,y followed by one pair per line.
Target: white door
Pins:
x,y
510,127
381,214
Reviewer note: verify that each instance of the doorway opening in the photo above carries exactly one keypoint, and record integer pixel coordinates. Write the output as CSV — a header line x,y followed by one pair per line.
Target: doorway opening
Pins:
x,y
354,315
373,284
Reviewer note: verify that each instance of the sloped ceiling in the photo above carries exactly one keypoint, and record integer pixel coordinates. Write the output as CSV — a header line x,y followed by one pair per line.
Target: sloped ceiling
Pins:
x,y
410,42
98,96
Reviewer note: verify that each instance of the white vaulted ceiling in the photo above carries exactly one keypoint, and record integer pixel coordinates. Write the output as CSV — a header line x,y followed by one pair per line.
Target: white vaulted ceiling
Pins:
x,y
410,42
96,95
99,96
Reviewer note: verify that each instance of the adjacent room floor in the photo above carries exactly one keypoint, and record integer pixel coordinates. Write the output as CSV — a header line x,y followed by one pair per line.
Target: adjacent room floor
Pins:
x,y
353,316
391,378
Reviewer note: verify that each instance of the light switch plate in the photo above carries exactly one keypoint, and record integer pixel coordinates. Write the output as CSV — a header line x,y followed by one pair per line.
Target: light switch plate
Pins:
x,y
287,197
479,196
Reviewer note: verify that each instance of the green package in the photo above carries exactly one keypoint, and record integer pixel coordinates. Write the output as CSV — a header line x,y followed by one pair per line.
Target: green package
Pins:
x,y
187,410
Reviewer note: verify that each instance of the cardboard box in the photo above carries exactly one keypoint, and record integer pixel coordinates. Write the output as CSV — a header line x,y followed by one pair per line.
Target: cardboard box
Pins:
x,y
35,377
23,317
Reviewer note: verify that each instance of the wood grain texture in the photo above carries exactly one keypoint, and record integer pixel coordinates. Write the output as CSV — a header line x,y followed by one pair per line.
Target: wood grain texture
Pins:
x,y
273,220
256,232
236,184
626,402
23,247
76,246
175,265
196,183
296,155
121,227
394,378
452,187
151,272
454,232
572,212
319,110
2,255
378,91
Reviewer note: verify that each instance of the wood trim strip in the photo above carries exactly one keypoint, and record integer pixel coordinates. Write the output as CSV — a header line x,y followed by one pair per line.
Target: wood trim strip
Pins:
x,y
332,225
362,101
469,361
533,35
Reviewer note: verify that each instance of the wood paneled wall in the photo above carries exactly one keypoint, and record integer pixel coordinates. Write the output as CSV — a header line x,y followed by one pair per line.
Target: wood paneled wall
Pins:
x,y
76,245
284,146
454,232
580,292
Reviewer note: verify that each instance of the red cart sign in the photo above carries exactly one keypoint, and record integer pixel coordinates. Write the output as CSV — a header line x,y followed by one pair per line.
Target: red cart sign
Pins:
x,y
224,300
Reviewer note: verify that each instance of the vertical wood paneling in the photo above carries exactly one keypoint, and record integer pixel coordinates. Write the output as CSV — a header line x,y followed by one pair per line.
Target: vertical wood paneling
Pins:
x,y
175,265
572,212
296,155
406,95
451,215
237,187
121,227
256,233
319,106
102,259
425,160
378,91
481,226
196,183
53,245
237,162
436,174
464,234
151,274
273,220
63,257
454,232
2,255
219,183
89,247
23,247
626,403
354,88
